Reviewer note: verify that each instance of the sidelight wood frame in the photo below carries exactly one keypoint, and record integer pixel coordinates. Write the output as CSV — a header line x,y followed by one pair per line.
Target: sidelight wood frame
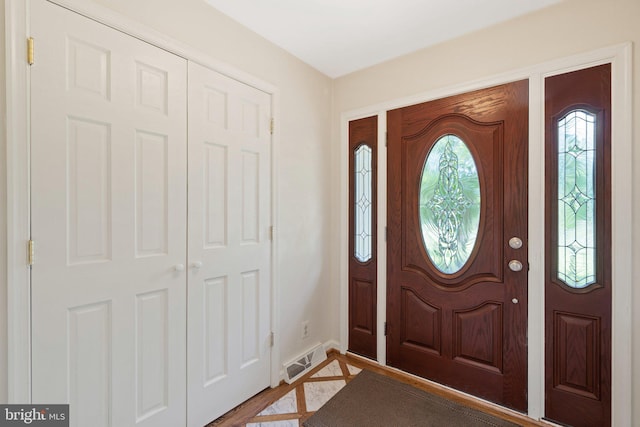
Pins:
x,y
620,56
363,271
17,134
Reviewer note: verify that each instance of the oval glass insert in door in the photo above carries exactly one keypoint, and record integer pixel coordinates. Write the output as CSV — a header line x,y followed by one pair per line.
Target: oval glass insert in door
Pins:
x,y
449,205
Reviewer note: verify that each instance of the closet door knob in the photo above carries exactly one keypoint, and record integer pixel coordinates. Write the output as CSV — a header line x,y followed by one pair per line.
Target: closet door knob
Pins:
x,y
179,267
196,264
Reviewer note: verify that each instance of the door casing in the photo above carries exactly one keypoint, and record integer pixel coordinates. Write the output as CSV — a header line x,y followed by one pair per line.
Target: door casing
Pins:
x,y
620,57
17,29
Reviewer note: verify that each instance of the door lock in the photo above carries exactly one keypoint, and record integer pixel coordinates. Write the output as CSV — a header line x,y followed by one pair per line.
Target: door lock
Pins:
x,y
515,265
515,242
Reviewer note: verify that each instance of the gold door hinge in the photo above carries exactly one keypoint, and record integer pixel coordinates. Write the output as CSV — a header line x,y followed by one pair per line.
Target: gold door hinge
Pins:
x,y
271,233
31,252
30,50
272,339
272,125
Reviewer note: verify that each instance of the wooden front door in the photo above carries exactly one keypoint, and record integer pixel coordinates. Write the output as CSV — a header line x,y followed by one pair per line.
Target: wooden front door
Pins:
x,y
457,242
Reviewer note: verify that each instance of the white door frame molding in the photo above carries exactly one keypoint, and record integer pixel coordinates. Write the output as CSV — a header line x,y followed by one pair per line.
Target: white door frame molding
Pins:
x,y
17,135
18,210
620,56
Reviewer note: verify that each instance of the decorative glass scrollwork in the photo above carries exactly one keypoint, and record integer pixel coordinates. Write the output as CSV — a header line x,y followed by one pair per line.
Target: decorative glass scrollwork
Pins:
x,y
449,204
576,199
362,211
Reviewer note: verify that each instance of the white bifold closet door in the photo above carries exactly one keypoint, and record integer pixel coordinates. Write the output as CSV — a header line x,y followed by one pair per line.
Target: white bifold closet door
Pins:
x,y
126,327
229,244
109,218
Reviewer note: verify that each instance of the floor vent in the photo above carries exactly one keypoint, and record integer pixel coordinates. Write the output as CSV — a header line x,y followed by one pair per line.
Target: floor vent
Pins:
x,y
304,363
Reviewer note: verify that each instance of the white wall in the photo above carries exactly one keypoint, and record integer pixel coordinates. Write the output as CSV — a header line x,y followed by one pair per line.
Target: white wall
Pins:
x,y
571,27
303,149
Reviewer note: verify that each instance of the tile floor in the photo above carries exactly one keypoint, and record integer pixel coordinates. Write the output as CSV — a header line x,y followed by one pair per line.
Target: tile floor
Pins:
x,y
302,399
298,404
289,405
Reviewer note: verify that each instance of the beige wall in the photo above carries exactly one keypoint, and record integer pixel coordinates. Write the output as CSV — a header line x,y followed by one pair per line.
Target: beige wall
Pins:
x,y
571,27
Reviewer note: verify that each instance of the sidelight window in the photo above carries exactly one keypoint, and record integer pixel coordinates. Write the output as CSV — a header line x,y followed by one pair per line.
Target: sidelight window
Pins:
x,y
363,207
576,199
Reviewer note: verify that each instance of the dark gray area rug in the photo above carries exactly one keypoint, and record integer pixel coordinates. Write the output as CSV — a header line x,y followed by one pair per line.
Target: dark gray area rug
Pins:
x,y
372,399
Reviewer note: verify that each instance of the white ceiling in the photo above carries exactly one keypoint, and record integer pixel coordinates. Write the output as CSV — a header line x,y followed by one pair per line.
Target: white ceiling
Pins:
x,y
338,37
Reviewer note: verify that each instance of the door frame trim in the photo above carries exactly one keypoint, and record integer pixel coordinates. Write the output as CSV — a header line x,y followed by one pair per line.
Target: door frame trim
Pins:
x,y
17,137
620,56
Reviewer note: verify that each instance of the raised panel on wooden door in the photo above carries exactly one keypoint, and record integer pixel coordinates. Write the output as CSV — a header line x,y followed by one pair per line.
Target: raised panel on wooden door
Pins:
x,y
576,345
421,324
477,336
362,312
108,162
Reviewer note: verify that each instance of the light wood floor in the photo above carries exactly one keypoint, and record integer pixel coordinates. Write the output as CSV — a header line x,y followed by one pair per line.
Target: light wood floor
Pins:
x,y
294,403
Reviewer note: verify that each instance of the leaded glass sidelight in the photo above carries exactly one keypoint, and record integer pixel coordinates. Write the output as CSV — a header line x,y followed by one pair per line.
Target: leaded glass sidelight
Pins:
x,y
576,199
449,204
362,211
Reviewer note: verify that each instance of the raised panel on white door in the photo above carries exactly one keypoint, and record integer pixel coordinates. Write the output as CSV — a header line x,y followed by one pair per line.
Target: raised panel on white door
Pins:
x,y
90,353
152,353
250,117
151,194
216,107
151,88
216,327
89,190
250,317
215,195
250,196
88,68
